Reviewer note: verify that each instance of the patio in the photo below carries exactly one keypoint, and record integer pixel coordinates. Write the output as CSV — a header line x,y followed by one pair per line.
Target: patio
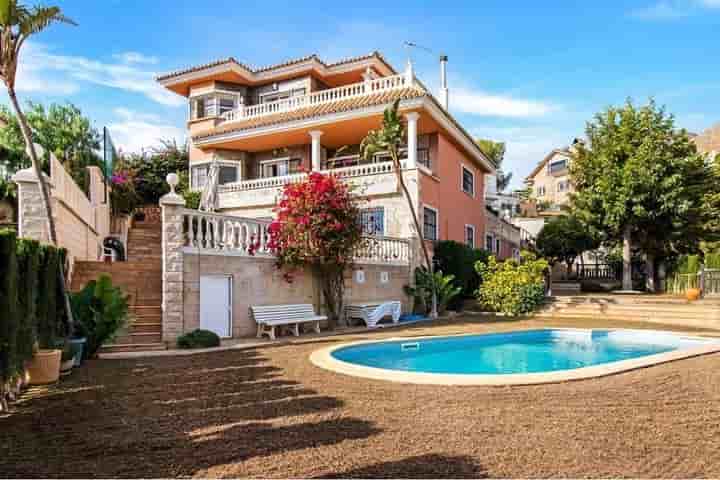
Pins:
x,y
268,412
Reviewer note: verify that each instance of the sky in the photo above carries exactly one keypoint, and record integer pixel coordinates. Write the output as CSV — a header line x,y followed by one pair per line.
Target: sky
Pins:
x,y
528,73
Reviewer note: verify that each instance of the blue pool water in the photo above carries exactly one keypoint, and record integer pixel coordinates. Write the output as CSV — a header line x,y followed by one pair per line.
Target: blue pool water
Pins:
x,y
527,351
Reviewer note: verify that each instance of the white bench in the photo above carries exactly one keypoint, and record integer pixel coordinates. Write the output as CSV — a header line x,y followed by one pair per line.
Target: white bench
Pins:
x,y
270,316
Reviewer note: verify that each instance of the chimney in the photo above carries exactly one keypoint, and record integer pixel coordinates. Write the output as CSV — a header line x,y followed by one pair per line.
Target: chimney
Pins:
x,y
443,97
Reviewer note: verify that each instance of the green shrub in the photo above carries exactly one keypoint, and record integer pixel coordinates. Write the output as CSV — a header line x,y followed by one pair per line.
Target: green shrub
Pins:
x,y
198,339
48,330
512,287
100,311
712,260
445,287
8,307
28,256
458,259
192,199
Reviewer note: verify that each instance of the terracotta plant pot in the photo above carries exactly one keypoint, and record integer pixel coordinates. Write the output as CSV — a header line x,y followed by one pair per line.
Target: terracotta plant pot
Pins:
x,y
66,367
692,294
44,367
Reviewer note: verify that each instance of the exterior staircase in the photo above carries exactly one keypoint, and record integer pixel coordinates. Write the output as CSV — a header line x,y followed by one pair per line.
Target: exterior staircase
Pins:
x,y
661,309
141,279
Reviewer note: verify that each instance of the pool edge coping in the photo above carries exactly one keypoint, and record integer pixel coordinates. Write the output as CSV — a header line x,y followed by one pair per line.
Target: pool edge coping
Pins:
x,y
324,359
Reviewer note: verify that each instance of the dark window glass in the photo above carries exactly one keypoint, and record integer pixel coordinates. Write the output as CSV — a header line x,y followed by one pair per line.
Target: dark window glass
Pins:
x,y
227,174
468,181
429,224
558,166
372,221
470,236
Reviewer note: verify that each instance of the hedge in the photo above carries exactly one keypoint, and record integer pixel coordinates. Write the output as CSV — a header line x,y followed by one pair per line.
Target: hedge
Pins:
x,y
458,259
31,305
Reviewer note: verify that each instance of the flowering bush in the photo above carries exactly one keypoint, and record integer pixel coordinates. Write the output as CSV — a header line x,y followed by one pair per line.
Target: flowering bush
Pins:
x,y
318,225
123,197
512,287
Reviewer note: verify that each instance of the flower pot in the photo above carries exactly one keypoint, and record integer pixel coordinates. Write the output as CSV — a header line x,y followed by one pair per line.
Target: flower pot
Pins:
x,y
692,294
45,367
77,346
66,367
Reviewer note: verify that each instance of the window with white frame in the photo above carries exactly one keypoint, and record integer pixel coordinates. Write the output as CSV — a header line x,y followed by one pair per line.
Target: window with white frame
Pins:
x,y
557,166
430,224
279,167
227,173
470,235
540,190
489,242
372,220
562,186
468,181
198,176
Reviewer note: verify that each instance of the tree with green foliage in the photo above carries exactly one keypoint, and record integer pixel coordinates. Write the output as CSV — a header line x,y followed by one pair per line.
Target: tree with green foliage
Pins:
x,y
563,239
640,180
389,138
61,129
495,151
17,24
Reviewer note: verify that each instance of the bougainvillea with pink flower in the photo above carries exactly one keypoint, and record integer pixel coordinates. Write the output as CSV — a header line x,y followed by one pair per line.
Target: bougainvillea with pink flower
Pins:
x,y
318,226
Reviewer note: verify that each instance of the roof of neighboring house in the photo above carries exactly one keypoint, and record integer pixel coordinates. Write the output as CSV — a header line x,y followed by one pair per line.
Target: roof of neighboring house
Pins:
x,y
544,161
310,59
315,110
709,140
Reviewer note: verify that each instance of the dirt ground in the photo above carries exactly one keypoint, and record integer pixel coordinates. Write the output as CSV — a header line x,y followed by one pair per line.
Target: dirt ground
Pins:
x,y
268,412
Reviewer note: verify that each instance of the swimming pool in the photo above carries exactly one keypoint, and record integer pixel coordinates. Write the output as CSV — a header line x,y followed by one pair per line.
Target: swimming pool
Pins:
x,y
529,356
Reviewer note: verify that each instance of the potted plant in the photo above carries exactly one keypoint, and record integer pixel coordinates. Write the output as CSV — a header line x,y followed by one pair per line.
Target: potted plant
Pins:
x,y
77,345
692,294
44,367
67,360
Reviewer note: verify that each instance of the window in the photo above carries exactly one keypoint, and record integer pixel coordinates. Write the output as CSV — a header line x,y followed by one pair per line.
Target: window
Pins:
x,y
540,191
497,246
557,166
470,236
279,167
489,243
562,186
226,105
227,174
430,225
198,176
468,181
372,221
423,151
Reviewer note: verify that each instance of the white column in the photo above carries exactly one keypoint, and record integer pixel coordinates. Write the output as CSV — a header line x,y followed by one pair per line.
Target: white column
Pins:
x,y
316,153
412,119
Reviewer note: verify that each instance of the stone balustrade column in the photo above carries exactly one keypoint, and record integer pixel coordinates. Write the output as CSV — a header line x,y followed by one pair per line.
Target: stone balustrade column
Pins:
x,y
316,149
172,206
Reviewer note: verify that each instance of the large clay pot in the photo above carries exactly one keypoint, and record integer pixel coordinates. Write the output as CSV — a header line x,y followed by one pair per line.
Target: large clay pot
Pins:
x,y
692,294
44,367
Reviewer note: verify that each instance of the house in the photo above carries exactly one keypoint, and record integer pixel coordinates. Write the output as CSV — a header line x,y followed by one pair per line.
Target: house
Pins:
x,y
708,141
507,203
550,181
502,238
266,127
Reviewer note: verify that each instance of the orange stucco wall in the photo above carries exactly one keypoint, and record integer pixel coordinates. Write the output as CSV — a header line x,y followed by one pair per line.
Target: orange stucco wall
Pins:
x,y
443,192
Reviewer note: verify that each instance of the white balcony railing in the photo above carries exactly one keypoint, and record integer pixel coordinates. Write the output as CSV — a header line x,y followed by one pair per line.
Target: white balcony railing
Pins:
x,y
226,234
344,173
344,92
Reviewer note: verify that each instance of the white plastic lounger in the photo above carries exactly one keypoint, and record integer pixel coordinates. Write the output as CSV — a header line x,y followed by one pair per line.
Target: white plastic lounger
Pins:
x,y
372,312
270,316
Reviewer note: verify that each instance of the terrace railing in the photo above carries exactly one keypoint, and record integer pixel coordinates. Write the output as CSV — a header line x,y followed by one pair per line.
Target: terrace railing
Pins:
x,y
344,92
213,233
597,271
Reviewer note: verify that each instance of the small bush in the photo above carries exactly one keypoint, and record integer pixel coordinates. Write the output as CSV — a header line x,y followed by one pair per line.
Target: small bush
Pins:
x,y
445,287
512,287
458,259
192,199
198,339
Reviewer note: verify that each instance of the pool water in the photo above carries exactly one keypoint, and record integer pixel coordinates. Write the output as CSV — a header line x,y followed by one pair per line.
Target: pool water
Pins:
x,y
529,351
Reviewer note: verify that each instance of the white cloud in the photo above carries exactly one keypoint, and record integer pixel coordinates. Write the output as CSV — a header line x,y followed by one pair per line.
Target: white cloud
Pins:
x,y
134,131
135,57
673,9
479,103
75,70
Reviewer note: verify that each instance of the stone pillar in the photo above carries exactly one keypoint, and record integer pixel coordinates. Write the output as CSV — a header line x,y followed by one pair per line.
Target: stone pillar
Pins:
x,y
32,217
412,119
172,206
316,149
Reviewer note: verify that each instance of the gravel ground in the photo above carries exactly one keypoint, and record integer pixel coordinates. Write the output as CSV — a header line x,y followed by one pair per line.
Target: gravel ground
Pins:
x,y
268,412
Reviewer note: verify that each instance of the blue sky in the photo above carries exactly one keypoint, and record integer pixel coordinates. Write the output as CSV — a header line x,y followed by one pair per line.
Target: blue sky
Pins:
x,y
528,73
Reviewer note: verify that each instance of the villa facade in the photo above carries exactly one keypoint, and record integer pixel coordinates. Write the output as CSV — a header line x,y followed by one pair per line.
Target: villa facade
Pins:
x,y
550,181
266,127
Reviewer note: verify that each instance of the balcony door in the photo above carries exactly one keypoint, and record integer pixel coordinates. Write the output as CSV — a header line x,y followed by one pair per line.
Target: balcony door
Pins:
x,y
279,167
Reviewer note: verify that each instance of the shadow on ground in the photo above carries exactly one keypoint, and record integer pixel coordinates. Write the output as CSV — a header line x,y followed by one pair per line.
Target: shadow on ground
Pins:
x,y
421,466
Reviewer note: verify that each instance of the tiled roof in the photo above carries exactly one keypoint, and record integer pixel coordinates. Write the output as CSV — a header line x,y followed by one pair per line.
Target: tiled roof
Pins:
x,y
272,67
316,110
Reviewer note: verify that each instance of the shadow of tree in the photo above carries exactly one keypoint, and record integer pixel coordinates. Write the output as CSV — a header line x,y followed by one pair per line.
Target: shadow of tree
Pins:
x,y
421,466
167,417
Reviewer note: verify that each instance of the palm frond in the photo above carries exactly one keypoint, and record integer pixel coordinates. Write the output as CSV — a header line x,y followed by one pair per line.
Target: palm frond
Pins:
x,y
39,18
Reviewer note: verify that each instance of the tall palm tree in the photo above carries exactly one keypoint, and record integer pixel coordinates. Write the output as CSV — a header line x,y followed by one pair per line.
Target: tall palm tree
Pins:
x,y
17,23
389,139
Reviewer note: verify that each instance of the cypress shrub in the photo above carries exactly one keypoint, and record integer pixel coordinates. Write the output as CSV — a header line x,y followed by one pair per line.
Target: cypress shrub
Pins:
x,y
458,259
47,298
28,283
8,306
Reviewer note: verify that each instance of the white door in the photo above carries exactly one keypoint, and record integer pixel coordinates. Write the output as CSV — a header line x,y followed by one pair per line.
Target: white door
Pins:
x,y
216,304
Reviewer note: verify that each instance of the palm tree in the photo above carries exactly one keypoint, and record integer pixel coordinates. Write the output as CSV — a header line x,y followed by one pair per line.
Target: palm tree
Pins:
x,y
388,139
17,24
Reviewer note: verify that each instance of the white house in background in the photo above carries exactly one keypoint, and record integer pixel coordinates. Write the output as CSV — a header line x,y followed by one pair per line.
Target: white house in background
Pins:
x,y
506,204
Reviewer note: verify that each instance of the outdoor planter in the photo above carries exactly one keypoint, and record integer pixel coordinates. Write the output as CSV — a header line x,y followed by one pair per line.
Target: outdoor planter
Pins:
x,y
77,346
45,367
66,367
692,294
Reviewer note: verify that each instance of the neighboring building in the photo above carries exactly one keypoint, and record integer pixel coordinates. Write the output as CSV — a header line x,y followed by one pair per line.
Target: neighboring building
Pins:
x,y
507,204
709,141
550,181
502,238
266,126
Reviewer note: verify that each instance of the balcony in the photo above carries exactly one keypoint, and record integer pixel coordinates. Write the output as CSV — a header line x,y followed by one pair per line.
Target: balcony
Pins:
x,y
321,98
369,179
